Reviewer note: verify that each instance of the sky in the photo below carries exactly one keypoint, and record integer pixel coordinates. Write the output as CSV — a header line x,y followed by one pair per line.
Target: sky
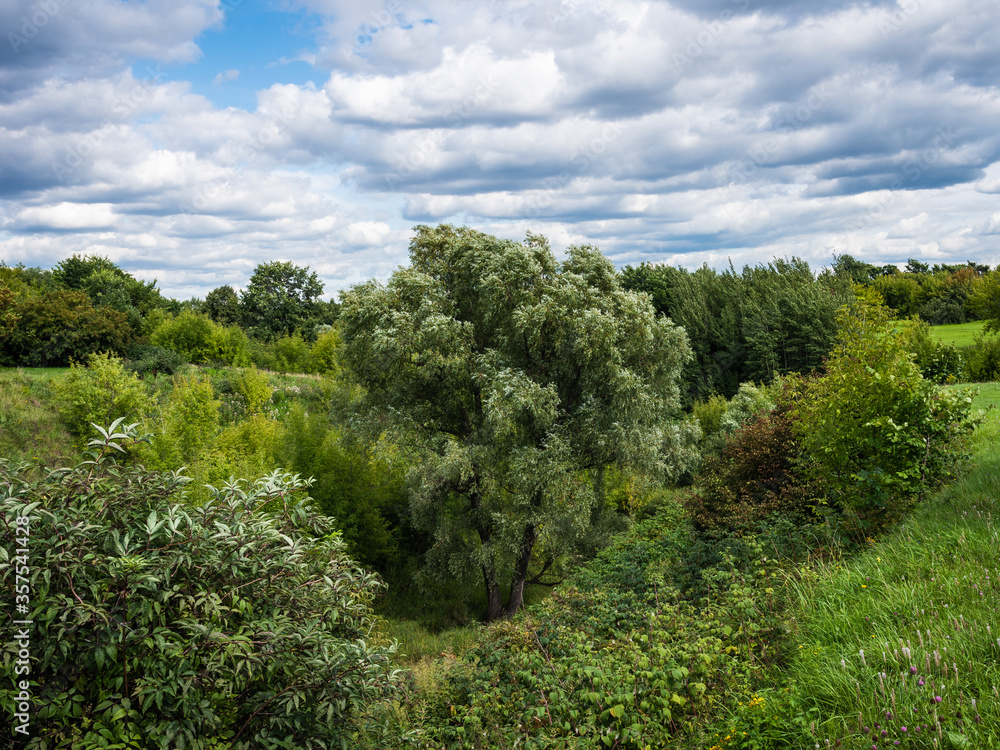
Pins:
x,y
190,140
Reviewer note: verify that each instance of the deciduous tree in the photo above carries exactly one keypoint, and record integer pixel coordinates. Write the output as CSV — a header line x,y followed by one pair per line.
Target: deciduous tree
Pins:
x,y
518,379
280,299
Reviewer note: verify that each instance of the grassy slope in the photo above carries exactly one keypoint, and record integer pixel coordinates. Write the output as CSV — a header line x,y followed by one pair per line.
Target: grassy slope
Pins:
x,y
932,588
30,427
960,334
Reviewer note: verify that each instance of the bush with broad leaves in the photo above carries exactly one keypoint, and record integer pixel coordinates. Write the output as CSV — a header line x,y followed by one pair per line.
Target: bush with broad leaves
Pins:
x,y
238,624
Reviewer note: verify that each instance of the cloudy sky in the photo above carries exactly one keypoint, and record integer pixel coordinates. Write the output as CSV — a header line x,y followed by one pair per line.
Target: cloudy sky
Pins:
x,y
190,140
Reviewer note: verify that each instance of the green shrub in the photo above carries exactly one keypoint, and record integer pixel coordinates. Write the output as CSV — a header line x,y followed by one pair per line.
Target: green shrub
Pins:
x,y
324,353
938,362
365,493
56,327
190,421
755,476
876,433
750,401
196,338
189,334
941,311
709,414
240,624
291,354
99,393
982,360
145,359
254,386
230,346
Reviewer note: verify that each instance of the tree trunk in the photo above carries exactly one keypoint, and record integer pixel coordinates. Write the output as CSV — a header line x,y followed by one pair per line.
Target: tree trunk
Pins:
x,y
516,599
494,606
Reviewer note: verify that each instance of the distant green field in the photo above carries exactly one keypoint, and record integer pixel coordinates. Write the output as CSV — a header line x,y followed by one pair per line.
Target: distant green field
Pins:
x,y
38,373
988,396
960,334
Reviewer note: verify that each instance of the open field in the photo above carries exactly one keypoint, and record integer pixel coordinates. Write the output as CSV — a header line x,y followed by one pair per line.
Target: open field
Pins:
x,y
36,373
960,334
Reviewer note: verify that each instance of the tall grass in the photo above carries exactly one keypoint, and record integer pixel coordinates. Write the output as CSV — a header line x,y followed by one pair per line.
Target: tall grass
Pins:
x,y
899,646
418,643
30,426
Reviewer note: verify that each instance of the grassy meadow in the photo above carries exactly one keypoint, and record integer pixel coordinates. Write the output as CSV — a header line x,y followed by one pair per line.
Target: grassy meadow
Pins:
x,y
959,334
899,646
30,426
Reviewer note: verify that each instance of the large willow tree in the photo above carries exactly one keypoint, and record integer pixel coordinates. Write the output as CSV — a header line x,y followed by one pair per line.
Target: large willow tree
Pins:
x,y
519,379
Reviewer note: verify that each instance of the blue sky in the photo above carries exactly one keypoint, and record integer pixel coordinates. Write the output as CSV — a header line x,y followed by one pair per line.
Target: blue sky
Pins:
x,y
191,140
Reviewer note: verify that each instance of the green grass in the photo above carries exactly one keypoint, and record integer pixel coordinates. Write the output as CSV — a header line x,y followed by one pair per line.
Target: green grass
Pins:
x,y
417,643
988,395
44,374
30,426
960,334
907,633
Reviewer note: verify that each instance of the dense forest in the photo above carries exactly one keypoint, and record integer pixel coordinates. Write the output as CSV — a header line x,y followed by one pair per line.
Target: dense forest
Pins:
x,y
503,500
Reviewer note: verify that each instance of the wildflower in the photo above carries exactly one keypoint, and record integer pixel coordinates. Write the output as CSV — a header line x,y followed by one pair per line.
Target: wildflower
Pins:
x,y
937,698
902,729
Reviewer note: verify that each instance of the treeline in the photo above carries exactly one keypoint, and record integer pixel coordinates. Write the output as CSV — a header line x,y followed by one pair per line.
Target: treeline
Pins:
x,y
749,326
87,304
779,318
941,294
